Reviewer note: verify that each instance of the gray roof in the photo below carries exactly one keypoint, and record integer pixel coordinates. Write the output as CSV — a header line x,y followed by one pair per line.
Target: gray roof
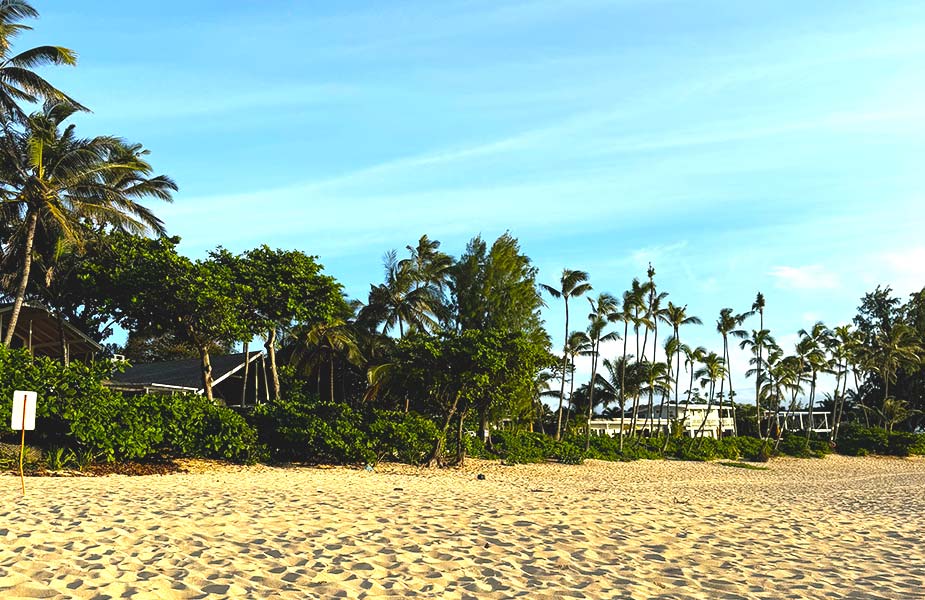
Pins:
x,y
184,373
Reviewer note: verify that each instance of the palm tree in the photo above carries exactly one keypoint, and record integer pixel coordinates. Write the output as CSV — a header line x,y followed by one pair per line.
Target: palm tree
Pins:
x,y
726,325
571,284
18,81
758,306
814,344
656,312
49,175
603,311
400,300
578,344
322,343
635,300
892,351
713,369
616,386
676,317
845,350
692,357
756,343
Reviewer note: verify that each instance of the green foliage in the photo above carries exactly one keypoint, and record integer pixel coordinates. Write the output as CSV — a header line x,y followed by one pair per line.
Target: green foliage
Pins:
x,y
569,453
9,457
308,430
855,440
58,458
76,411
404,437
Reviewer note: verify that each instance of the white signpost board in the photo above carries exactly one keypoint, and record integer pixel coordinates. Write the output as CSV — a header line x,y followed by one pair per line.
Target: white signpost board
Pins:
x,y
23,411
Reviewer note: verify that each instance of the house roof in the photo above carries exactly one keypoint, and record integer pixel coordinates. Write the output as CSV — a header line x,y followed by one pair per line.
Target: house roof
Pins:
x,y
46,334
183,374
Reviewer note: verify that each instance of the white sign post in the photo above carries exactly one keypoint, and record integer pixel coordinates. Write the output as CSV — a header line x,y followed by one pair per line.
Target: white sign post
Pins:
x,y
23,418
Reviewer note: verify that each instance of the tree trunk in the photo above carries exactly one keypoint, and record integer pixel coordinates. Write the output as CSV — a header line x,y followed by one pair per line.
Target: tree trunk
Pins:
x,y
247,364
595,351
812,400
732,396
32,221
206,366
436,456
460,445
331,376
564,369
483,422
271,352
626,328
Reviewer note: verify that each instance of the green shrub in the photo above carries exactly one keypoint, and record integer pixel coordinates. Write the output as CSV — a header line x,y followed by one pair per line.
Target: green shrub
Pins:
x,y
904,443
523,447
404,437
795,444
475,447
855,440
313,431
569,453
76,411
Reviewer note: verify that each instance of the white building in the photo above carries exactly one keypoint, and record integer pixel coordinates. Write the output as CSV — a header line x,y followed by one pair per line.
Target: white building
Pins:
x,y
663,416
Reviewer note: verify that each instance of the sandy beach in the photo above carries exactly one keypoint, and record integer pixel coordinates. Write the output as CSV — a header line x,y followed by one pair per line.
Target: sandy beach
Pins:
x,y
833,528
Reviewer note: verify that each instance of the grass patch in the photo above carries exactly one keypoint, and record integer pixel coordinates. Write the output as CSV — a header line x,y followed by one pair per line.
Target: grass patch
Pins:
x,y
743,465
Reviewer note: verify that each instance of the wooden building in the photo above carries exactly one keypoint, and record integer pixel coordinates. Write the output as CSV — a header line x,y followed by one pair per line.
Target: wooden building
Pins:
x,y
45,334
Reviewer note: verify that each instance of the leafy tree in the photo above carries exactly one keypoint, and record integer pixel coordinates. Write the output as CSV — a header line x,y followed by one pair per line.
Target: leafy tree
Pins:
x,y
277,288
153,290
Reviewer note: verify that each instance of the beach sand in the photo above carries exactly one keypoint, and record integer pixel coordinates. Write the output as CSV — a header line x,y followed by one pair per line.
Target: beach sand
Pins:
x,y
832,528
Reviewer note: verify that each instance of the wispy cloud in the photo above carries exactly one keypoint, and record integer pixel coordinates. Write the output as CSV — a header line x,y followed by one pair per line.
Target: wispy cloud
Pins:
x,y
809,277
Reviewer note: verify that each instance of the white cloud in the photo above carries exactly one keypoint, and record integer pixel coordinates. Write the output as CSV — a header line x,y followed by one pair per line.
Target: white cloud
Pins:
x,y
905,269
809,277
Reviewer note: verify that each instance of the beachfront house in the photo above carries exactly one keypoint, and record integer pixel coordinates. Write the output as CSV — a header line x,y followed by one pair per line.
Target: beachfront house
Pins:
x,y
697,420
237,379
43,333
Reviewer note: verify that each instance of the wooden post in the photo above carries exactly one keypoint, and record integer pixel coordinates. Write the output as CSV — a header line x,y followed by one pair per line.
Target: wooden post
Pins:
x,y
246,365
256,387
263,369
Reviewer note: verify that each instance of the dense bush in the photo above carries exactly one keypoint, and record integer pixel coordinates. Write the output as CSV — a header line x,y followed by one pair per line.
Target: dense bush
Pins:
x,y
855,440
309,430
77,412
404,437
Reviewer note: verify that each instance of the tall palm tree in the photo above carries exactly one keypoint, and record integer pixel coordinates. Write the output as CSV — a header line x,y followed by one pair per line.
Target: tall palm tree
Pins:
x,y
692,357
815,342
677,316
635,298
713,369
603,311
758,341
726,325
571,284
758,307
579,343
49,175
18,82
656,313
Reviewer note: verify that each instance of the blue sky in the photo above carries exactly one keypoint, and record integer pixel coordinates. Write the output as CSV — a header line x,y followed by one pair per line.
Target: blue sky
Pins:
x,y
739,146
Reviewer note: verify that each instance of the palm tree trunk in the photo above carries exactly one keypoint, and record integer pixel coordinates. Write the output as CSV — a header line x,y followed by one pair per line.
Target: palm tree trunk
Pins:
x,y
564,368
812,399
271,352
32,224
651,379
435,457
706,414
594,356
331,375
758,375
626,327
732,403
